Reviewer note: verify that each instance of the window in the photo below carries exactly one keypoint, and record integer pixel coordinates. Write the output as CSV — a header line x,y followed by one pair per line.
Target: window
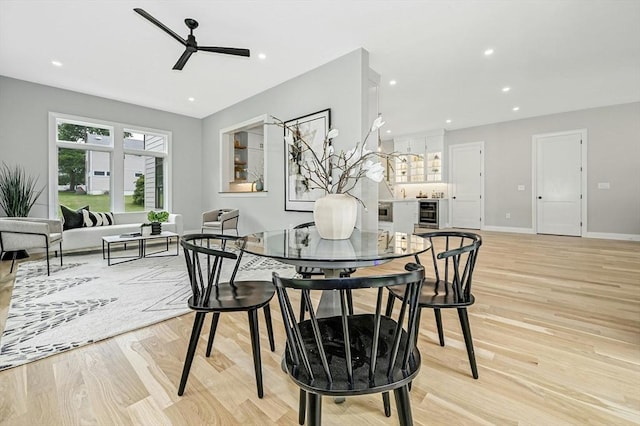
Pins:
x,y
242,154
85,152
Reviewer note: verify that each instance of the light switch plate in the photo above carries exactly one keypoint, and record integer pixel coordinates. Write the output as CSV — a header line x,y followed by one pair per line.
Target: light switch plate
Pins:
x,y
603,185
520,187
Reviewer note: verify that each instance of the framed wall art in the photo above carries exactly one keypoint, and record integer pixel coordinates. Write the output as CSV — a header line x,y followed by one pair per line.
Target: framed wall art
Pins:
x,y
313,128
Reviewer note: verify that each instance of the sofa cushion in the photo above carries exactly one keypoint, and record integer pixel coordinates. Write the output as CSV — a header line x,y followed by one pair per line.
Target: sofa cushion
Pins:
x,y
72,219
97,218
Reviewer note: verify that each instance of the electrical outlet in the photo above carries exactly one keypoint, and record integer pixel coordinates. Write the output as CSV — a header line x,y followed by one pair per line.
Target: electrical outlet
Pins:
x,y
508,215
520,187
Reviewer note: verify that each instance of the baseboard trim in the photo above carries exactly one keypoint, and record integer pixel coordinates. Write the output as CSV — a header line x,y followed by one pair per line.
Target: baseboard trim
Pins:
x,y
508,229
613,236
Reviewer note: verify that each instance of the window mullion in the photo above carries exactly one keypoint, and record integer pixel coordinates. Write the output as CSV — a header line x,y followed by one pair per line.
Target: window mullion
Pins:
x,y
117,167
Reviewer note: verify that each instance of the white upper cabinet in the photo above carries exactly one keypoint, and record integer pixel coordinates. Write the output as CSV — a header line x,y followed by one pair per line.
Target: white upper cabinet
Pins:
x,y
409,165
434,160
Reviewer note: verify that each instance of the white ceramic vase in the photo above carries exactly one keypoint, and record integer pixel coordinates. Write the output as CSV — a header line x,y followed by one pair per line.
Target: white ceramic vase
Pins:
x,y
335,216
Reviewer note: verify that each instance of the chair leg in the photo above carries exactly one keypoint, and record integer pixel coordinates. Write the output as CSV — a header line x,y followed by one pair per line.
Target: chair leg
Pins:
x,y
267,319
13,260
60,253
303,308
314,409
255,346
438,315
404,406
466,331
387,404
212,332
302,409
191,351
390,300
48,269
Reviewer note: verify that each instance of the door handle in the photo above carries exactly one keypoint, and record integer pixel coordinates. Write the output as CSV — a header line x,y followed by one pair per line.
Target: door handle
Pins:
x,y
539,197
453,197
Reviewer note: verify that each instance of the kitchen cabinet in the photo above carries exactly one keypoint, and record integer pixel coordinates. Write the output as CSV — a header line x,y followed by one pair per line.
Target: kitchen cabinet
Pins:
x,y
405,215
409,165
434,149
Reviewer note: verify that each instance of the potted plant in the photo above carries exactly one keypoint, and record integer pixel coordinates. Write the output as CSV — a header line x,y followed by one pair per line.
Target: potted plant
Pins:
x,y
18,193
156,218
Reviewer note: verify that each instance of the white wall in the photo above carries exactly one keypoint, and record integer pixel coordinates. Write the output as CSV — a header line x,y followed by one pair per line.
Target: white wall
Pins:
x,y
24,109
613,156
339,85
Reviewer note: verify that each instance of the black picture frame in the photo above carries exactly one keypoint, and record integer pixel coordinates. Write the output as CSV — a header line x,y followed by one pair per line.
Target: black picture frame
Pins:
x,y
315,127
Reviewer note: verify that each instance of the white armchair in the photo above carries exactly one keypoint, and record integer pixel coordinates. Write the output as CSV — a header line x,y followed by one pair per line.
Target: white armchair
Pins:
x,y
24,233
220,220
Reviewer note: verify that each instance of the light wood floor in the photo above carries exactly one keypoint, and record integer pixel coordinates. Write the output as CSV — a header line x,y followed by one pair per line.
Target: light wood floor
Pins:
x,y
556,329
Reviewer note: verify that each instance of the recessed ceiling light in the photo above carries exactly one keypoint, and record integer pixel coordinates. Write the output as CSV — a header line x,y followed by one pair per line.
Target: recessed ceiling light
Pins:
x,y
262,56
488,52
388,131
392,82
448,121
56,63
506,89
191,99
516,108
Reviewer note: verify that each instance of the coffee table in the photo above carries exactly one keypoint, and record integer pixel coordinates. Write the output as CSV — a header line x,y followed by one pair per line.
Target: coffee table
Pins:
x,y
141,240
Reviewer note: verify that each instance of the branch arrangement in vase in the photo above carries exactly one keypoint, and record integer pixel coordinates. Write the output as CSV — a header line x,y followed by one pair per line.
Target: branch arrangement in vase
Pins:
x,y
335,173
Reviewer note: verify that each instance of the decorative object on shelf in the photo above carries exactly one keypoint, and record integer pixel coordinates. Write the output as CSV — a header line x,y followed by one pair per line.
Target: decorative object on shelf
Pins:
x,y
258,181
156,218
324,171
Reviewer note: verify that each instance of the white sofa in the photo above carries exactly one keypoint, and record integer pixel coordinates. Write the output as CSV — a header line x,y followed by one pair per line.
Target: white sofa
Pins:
x,y
88,238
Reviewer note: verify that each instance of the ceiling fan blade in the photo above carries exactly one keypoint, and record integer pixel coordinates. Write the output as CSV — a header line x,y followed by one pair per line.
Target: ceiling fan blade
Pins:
x,y
183,60
225,50
159,24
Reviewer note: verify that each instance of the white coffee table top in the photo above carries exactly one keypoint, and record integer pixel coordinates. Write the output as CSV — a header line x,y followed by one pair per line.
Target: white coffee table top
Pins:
x,y
126,237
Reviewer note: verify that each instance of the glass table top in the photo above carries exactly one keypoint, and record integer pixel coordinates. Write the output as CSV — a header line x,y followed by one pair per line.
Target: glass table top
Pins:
x,y
305,246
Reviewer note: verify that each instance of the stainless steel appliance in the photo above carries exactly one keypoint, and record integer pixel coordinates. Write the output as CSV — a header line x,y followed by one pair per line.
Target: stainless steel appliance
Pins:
x,y
385,211
428,214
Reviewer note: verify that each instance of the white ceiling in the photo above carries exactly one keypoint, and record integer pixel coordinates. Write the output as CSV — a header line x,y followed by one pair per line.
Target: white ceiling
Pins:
x,y
556,55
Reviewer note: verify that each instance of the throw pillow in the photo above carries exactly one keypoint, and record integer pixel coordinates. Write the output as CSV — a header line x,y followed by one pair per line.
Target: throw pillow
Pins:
x,y
72,219
97,218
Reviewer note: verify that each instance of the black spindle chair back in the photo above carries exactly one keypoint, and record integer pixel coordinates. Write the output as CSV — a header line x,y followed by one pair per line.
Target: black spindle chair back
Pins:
x,y
352,354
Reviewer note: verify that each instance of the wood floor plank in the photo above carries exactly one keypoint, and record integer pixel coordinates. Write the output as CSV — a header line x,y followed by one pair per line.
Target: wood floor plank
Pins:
x,y
556,329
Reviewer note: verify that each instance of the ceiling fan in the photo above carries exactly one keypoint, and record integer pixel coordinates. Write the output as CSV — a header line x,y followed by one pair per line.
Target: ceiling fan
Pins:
x,y
190,44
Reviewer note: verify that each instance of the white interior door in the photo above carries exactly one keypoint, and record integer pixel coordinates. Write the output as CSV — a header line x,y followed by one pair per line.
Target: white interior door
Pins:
x,y
558,184
466,185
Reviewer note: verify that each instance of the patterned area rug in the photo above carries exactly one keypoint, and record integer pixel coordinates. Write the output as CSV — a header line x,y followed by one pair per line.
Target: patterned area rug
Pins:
x,y
85,300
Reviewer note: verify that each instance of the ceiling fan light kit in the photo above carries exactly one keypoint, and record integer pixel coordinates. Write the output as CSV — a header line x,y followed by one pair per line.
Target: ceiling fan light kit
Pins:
x,y
190,44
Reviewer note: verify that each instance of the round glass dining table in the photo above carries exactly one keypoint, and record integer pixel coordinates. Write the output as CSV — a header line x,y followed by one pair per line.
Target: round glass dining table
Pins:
x,y
305,247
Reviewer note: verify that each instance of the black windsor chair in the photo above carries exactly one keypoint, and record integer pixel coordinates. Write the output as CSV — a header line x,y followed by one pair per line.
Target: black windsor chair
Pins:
x,y
204,265
451,288
352,354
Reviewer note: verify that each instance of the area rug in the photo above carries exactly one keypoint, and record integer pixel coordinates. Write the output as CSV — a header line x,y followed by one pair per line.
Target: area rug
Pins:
x,y
85,300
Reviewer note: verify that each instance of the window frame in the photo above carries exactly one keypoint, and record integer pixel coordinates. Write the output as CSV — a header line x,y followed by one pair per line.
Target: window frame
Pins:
x,y
117,152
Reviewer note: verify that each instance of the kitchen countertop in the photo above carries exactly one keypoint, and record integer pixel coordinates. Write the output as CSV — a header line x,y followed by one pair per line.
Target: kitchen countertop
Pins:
x,y
410,200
